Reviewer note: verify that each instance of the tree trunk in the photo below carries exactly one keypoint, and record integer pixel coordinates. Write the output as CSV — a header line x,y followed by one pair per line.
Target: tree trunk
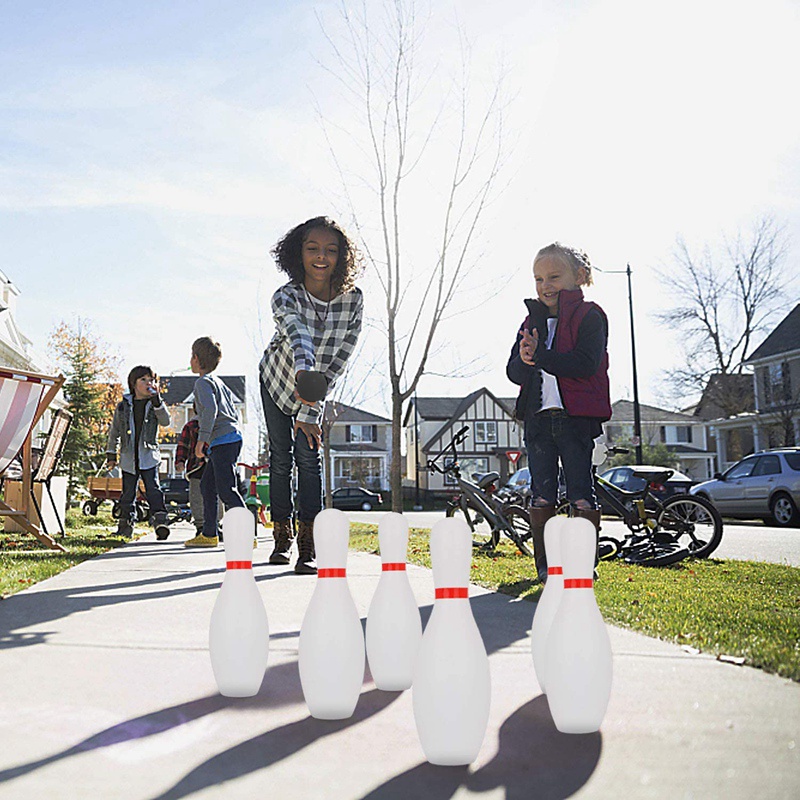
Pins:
x,y
396,477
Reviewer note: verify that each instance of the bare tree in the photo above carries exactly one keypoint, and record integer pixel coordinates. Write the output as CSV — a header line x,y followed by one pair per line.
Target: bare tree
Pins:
x,y
422,143
723,302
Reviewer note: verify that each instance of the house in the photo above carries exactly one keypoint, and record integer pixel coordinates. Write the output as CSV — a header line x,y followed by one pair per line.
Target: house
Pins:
x,y
177,393
773,417
15,348
495,441
683,434
360,446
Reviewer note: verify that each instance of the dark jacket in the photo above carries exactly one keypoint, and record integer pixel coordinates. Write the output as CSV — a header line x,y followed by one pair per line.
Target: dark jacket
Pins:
x,y
578,359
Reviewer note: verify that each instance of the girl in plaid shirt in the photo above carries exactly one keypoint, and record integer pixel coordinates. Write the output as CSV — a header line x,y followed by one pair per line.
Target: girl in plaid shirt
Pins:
x,y
317,324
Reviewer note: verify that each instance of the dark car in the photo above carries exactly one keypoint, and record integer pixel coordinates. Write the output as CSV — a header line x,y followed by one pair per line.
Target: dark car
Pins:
x,y
176,490
765,485
633,479
357,499
518,487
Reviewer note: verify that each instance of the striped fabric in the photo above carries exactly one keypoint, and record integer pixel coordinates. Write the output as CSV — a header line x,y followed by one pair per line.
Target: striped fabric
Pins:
x,y
19,400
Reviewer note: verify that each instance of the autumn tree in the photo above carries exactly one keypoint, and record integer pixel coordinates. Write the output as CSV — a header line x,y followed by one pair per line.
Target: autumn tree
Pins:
x,y
92,391
722,301
419,151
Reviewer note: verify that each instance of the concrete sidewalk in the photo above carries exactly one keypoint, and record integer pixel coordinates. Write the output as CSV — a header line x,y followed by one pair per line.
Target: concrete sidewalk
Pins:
x,y
107,692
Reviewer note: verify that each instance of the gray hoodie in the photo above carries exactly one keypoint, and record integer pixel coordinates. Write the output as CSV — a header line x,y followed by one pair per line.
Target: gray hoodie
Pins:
x,y
121,430
216,408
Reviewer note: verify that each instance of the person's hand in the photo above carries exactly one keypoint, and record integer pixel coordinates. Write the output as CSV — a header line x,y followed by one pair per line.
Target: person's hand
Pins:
x,y
200,450
312,432
528,345
297,394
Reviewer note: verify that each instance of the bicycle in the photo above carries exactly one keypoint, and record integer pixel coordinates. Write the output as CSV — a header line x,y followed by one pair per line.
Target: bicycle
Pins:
x,y
477,503
660,533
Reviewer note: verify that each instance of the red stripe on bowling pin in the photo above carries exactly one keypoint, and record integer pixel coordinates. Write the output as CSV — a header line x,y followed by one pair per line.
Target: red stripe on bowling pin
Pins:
x,y
452,593
331,573
555,571
239,565
578,583
398,566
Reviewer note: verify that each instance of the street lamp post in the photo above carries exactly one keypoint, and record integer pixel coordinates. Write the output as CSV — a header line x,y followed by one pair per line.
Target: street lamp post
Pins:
x,y
637,416
417,504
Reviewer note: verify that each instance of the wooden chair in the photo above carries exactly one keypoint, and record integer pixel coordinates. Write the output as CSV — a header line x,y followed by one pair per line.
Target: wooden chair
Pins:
x,y
24,397
48,463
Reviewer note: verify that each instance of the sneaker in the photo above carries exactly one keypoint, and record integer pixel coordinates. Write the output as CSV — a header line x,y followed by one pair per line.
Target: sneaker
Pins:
x,y
162,532
125,530
202,541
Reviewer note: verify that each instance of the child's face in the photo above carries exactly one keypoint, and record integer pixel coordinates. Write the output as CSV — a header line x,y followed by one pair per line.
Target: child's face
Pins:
x,y
143,386
320,254
552,275
194,363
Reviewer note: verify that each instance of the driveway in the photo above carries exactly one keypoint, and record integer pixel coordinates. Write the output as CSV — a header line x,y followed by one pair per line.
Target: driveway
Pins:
x,y
740,541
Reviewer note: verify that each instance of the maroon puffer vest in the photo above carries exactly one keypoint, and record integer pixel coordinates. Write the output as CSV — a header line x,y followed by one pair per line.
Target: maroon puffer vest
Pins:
x,y
583,397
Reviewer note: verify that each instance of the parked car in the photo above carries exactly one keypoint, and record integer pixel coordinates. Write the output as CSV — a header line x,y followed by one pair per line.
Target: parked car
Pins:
x,y
356,499
518,486
634,478
176,490
765,485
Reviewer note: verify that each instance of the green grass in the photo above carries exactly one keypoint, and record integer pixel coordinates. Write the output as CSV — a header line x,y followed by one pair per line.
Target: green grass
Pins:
x,y
743,609
25,561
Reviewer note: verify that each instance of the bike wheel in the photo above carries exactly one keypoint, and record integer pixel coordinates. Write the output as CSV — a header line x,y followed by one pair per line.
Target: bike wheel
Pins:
x,y
520,522
694,522
608,548
483,537
656,554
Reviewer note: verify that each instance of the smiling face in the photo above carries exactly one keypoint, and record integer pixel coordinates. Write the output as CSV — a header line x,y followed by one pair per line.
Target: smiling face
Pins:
x,y
553,275
320,254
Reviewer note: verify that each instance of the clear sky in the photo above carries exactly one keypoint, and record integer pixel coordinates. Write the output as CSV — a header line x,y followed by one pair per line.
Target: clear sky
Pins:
x,y
152,153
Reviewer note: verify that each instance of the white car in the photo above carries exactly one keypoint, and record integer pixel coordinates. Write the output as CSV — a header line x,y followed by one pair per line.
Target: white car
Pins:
x,y
764,486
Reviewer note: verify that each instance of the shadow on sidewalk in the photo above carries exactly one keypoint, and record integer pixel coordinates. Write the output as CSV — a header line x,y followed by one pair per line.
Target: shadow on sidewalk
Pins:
x,y
29,609
280,687
273,746
533,760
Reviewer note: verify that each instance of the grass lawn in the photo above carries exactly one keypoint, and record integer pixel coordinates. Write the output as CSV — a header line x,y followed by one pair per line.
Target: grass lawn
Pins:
x,y
25,561
743,609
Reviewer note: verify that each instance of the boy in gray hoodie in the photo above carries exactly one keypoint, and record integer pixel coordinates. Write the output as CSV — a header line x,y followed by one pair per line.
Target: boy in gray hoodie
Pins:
x,y
219,440
137,418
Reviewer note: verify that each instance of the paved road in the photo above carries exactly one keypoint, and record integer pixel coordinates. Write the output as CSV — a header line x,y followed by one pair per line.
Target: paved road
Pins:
x,y
742,542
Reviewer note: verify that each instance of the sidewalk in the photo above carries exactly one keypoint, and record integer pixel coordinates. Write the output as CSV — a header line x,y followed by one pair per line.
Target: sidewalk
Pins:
x,y
107,692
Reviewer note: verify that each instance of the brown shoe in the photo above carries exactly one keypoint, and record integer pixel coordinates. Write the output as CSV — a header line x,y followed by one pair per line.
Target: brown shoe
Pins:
x,y
593,515
538,516
283,530
305,546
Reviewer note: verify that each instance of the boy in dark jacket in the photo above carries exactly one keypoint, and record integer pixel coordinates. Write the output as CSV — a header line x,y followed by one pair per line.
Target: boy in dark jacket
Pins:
x,y
134,427
561,364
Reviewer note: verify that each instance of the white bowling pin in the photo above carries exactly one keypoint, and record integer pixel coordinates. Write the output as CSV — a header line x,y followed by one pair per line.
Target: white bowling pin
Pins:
x,y
394,626
331,637
578,664
451,690
238,636
550,597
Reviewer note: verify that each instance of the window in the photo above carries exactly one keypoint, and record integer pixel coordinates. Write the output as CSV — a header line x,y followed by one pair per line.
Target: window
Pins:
x,y
777,383
768,465
741,470
468,466
486,432
362,434
684,433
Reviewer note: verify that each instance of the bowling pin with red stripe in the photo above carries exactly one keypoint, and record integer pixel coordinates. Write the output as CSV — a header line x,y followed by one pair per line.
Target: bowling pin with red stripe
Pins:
x,y
394,627
331,637
550,598
451,690
578,664
238,636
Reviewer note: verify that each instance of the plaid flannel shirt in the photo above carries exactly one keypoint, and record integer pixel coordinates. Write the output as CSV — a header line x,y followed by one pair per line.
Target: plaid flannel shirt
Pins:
x,y
310,335
187,441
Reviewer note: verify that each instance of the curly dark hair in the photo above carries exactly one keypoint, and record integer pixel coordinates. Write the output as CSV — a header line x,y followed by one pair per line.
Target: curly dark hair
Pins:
x,y
288,254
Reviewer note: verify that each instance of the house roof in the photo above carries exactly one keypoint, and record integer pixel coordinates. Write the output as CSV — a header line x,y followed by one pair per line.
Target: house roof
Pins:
x,y
684,449
784,339
445,408
622,411
345,413
179,387
352,447
725,395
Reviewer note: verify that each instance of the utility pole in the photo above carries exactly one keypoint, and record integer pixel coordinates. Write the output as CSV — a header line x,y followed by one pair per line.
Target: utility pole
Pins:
x,y
637,416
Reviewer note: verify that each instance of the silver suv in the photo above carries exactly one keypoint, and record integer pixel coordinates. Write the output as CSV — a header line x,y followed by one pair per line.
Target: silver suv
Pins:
x,y
765,485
